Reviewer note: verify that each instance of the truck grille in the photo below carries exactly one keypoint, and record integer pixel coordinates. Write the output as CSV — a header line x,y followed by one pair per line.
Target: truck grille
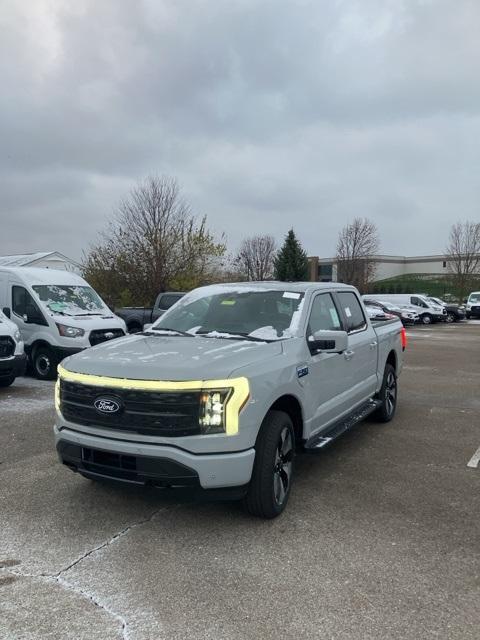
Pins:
x,y
7,347
156,413
102,335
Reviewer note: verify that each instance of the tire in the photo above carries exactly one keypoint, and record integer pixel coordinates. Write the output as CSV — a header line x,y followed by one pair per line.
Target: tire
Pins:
x,y
450,318
6,382
426,319
388,395
44,363
272,475
134,328
468,315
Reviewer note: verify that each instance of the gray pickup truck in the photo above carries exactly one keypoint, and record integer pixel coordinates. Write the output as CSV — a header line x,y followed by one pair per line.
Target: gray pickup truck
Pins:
x,y
226,387
136,317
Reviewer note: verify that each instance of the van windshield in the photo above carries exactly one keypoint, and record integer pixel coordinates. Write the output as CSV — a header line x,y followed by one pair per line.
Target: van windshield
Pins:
x,y
222,313
70,300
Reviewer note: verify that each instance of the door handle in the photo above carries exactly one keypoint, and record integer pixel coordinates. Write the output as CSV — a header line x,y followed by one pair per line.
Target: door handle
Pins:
x,y
349,355
373,345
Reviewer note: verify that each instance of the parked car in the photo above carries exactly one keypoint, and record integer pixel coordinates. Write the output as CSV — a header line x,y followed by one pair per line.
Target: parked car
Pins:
x,y
455,313
428,312
12,355
404,314
226,386
137,317
473,305
57,313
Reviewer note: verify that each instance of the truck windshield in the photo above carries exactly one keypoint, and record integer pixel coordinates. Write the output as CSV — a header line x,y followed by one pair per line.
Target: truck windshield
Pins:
x,y
474,297
263,314
69,300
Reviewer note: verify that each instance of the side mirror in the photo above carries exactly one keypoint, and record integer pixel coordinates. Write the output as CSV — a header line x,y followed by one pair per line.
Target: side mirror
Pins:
x,y
6,311
328,342
25,318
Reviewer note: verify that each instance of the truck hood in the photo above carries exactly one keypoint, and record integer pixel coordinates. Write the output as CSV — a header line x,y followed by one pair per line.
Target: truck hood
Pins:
x,y
170,357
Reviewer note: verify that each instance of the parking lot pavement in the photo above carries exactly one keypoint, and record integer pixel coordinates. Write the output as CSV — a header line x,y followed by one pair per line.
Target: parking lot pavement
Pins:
x,y
380,539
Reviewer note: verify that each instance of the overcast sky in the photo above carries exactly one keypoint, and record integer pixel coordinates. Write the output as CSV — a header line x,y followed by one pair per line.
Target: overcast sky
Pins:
x,y
270,113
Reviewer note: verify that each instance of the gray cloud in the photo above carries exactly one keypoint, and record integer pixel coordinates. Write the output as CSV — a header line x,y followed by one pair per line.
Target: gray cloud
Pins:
x,y
270,114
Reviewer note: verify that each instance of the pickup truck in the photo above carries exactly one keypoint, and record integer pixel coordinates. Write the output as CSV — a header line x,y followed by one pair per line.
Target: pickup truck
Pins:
x,y
224,389
136,317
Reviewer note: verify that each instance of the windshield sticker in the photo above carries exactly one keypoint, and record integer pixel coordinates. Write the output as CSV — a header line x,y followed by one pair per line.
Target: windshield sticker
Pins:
x,y
228,302
335,318
348,313
57,306
291,295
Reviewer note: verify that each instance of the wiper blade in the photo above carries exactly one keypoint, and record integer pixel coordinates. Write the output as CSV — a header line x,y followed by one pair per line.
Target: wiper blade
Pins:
x,y
226,335
89,314
177,331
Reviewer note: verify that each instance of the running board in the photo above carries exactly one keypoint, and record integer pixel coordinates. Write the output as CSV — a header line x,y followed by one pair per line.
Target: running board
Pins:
x,y
318,441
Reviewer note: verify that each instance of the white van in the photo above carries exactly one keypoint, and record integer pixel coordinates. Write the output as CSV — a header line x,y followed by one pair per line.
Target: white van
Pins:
x,y
473,305
427,310
12,355
58,314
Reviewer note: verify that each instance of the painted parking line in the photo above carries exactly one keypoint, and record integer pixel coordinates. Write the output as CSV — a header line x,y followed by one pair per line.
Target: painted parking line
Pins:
x,y
474,460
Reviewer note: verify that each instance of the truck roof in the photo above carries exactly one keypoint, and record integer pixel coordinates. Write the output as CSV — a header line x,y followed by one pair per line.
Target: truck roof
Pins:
x,y
277,285
39,275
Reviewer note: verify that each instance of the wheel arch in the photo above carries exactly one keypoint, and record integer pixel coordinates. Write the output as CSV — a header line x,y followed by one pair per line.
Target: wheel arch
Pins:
x,y
392,359
290,405
35,345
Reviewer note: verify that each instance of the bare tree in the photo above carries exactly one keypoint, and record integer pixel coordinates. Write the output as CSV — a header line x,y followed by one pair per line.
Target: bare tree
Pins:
x,y
463,255
152,242
357,243
255,257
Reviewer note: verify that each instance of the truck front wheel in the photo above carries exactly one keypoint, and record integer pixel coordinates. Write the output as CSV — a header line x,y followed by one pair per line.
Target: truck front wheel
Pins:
x,y
272,475
44,363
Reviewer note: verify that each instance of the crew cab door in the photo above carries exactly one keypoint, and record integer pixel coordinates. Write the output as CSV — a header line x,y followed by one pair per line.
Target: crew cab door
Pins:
x,y
361,355
326,384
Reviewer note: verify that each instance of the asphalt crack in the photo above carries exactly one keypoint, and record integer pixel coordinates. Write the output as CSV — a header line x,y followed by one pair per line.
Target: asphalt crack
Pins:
x,y
59,579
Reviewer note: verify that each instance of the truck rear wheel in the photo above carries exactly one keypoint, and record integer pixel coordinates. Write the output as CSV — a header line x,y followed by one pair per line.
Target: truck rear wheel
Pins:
x,y
272,475
387,395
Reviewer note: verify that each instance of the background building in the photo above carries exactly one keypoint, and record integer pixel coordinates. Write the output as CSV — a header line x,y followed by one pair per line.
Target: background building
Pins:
x,y
44,259
325,269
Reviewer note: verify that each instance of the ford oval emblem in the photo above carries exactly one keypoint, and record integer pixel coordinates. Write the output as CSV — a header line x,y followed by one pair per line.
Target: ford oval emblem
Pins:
x,y
107,405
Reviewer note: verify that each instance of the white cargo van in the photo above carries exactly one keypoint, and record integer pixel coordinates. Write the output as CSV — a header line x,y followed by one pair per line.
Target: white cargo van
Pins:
x,y
12,355
427,310
57,313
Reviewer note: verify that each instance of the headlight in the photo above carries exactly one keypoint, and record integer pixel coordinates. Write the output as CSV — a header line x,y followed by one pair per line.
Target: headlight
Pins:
x,y
69,332
213,409
17,336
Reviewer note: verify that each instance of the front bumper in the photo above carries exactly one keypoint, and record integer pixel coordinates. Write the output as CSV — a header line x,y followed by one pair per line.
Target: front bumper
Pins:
x,y
14,366
151,464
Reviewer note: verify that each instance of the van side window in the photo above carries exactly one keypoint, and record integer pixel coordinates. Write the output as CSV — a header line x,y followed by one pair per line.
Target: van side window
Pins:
x,y
417,302
353,311
324,315
24,304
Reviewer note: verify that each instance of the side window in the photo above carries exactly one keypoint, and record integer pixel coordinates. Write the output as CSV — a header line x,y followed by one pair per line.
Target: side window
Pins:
x,y
352,310
24,304
166,301
324,315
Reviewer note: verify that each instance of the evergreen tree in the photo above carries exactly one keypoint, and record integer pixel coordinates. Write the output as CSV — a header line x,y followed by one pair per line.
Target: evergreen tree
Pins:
x,y
291,262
